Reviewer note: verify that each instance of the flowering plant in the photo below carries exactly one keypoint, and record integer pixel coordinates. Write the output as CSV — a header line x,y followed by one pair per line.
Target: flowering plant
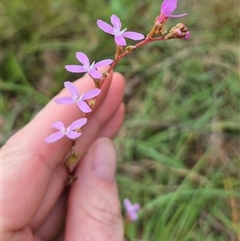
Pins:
x,y
86,101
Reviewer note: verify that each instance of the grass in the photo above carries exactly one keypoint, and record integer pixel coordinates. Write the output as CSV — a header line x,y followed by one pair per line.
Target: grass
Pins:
x,y
178,149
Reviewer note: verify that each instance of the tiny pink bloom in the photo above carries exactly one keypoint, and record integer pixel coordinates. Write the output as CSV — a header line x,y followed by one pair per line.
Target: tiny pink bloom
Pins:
x,y
70,131
86,67
187,36
167,8
76,98
115,29
131,209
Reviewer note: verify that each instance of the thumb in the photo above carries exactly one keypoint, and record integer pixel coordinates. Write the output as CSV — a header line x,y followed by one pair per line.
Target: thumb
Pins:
x,y
93,207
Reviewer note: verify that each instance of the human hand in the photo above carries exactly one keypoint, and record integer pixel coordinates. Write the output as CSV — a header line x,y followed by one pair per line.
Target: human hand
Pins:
x,y
36,203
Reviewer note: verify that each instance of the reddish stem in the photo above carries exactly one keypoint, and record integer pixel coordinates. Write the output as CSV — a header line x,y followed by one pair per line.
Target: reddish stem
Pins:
x,y
118,57
126,52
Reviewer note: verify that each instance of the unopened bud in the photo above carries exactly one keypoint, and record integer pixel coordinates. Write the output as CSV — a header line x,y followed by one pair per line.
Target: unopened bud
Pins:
x,y
92,103
187,35
73,158
71,179
182,27
97,82
179,31
130,48
176,33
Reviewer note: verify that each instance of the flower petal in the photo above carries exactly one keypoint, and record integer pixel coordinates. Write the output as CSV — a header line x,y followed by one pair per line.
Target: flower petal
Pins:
x,y
119,40
78,124
84,107
71,88
107,28
133,35
116,22
95,74
58,125
54,137
91,94
103,63
136,207
73,134
75,68
177,16
127,204
169,8
64,100
83,58
133,215
165,3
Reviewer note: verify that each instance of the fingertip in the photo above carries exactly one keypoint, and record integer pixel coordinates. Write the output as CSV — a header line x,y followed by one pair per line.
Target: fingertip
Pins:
x,y
119,78
104,160
94,208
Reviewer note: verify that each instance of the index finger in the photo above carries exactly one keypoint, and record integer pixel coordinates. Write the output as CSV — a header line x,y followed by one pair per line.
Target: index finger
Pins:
x,y
29,162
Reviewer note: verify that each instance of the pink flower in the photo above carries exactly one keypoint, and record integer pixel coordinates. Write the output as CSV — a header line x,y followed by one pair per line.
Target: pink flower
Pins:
x,y
131,209
71,131
86,67
76,98
119,35
167,8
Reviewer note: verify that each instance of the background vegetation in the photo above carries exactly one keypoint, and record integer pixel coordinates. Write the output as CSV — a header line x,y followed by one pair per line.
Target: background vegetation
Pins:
x,y
178,150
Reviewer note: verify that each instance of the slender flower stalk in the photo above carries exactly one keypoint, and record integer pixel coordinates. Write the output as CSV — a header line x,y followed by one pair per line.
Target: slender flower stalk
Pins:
x,y
119,35
86,67
76,98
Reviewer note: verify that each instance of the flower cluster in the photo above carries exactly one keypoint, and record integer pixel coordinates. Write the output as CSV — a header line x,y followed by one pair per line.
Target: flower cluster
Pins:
x,y
85,101
74,131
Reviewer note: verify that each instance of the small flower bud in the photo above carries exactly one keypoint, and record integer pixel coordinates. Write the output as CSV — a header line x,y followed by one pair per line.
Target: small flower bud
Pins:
x,y
188,35
73,158
105,74
130,48
71,179
179,31
182,27
176,33
92,103
79,130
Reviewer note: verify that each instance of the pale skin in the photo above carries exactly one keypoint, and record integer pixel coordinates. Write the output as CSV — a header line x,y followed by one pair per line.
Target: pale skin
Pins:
x,y
36,203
